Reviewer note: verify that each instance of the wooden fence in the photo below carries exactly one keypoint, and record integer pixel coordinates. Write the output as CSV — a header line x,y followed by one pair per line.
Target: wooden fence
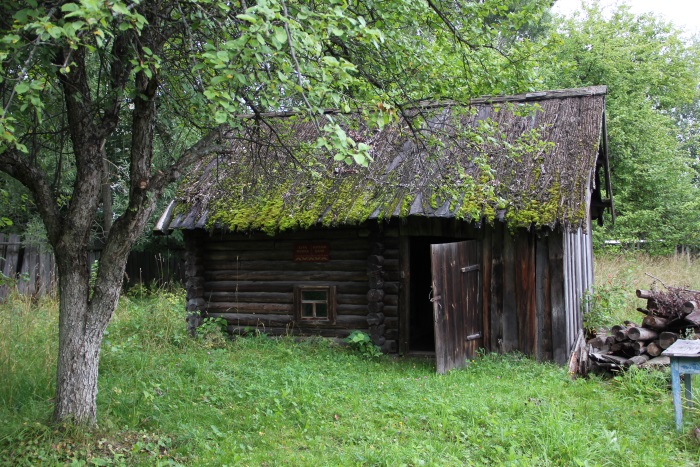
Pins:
x,y
31,268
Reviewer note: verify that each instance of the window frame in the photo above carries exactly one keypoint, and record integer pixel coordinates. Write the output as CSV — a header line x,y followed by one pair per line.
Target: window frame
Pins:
x,y
330,303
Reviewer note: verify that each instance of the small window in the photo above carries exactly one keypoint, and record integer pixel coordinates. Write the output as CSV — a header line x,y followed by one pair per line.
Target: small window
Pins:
x,y
315,304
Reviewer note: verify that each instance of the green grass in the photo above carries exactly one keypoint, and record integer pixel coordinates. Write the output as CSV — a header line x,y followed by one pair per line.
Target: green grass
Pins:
x,y
166,399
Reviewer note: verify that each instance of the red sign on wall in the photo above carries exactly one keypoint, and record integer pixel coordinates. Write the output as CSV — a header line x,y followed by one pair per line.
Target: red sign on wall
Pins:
x,y
311,252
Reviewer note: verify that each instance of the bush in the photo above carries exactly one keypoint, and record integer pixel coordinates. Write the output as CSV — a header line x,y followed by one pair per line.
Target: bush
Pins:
x,y
606,304
361,343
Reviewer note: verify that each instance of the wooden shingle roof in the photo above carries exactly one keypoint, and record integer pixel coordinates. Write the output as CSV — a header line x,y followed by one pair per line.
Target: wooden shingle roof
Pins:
x,y
527,159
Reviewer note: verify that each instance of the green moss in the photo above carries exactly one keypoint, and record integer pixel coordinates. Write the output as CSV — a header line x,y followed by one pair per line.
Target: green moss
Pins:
x,y
330,200
488,212
351,200
537,213
406,205
434,200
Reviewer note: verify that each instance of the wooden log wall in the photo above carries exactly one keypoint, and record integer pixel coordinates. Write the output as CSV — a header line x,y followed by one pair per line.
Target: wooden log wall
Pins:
x,y
250,281
194,278
382,329
532,282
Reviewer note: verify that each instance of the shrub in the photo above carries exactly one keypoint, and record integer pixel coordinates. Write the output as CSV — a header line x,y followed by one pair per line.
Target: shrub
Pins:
x,y
606,304
361,343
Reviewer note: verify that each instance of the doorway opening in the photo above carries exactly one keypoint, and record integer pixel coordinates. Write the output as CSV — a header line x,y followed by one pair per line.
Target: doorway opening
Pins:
x,y
421,336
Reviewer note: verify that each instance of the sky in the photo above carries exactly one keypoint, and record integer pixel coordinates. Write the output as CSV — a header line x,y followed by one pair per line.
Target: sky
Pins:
x,y
683,13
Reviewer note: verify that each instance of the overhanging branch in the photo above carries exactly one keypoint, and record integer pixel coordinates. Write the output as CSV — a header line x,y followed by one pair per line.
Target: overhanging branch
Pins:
x,y
13,163
210,143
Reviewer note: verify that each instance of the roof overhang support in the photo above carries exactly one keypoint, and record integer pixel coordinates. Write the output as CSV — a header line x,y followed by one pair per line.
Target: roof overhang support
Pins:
x,y
606,168
598,204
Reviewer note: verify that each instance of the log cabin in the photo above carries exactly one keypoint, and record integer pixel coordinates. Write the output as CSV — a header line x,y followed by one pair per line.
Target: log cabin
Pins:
x,y
469,227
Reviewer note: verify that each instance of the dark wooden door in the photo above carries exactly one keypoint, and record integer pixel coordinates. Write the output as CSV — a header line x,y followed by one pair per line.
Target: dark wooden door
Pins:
x,y
456,303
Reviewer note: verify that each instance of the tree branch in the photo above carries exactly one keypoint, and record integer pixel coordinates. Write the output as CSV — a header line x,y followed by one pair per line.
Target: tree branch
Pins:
x,y
34,178
120,69
297,68
210,143
88,147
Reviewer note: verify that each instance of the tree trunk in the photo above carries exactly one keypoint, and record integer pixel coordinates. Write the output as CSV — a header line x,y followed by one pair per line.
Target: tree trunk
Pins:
x,y
107,211
78,346
81,328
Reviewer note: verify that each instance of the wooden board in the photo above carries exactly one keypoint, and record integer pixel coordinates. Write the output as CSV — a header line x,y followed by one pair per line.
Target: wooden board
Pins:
x,y
683,348
456,271
543,300
496,288
510,318
558,297
9,268
525,292
486,285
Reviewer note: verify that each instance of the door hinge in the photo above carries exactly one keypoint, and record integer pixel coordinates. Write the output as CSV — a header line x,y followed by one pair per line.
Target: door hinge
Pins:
x,y
472,337
473,267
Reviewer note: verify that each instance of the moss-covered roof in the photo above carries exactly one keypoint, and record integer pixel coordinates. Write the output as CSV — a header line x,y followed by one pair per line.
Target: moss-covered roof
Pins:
x,y
527,159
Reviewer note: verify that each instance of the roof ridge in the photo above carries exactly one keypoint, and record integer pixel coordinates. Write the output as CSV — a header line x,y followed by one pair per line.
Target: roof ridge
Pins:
x,y
533,96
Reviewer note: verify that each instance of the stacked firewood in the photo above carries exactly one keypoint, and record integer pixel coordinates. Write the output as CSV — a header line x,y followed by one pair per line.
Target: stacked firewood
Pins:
x,y
670,314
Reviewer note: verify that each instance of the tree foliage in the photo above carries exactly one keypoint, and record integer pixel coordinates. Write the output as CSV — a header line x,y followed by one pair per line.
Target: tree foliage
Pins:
x,y
130,93
652,72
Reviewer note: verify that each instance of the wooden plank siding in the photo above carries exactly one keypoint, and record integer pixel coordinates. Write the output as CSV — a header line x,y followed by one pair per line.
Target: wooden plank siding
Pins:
x,y
578,265
525,286
526,294
495,301
558,294
509,314
543,300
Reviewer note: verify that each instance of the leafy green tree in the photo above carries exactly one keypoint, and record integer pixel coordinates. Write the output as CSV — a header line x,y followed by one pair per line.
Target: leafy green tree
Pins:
x,y
147,87
651,70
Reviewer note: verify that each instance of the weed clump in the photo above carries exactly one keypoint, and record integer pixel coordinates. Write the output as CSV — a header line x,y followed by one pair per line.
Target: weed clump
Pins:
x,y
361,343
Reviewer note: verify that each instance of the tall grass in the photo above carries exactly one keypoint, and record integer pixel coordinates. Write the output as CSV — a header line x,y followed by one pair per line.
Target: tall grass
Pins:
x,y
167,399
617,276
28,351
